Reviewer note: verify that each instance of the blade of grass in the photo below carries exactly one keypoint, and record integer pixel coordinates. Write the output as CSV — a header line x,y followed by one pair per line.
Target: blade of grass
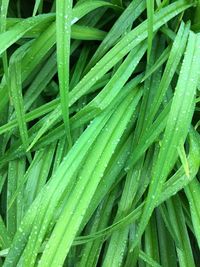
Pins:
x,y
150,17
192,192
63,33
36,6
17,99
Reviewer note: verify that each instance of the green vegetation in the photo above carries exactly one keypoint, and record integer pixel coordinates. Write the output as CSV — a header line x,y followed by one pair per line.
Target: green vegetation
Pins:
x,y
99,133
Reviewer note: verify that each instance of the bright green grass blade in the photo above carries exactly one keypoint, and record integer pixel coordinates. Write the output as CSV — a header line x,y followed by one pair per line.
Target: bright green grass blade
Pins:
x,y
179,180
79,32
63,33
16,32
183,158
158,126
115,252
36,6
4,11
111,58
133,257
174,58
33,32
4,252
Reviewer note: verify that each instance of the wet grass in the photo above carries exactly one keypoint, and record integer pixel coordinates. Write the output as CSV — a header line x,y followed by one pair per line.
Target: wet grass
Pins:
x,y
99,133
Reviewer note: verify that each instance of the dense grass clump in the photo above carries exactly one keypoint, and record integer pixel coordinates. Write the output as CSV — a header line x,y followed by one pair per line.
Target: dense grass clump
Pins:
x,y
99,133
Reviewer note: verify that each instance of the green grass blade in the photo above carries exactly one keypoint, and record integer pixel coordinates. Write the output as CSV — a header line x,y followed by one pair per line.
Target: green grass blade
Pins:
x,y
192,192
17,99
150,17
63,33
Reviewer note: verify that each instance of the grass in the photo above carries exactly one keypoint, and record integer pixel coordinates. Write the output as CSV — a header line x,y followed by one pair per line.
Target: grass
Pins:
x,y
99,133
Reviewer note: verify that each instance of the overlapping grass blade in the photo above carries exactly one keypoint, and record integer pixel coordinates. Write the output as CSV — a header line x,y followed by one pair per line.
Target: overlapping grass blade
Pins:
x,y
179,120
105,95
114,56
